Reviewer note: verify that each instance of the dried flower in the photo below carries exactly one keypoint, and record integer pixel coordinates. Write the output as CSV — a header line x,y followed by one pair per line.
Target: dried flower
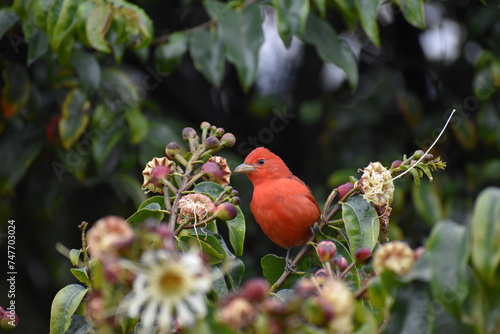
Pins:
x,y
155,170
376,184
168,286
194,207
217,170
107,236
395,256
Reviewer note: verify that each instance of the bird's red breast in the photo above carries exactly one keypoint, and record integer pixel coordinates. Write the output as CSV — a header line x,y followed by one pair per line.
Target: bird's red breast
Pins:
x,y
282,204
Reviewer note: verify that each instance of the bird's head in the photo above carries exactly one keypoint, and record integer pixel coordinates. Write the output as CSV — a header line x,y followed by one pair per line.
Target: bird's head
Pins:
x,y
262,164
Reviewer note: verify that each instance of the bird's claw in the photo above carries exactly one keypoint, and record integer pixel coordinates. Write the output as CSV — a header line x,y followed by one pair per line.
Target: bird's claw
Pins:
x,y
290,267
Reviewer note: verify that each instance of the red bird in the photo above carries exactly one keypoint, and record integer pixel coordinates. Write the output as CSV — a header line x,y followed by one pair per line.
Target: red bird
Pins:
x,y
282,204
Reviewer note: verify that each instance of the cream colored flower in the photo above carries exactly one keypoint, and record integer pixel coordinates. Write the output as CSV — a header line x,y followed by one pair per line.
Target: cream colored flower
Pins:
x,y
169,286
395,256
107,235
194,208
338,295
155,170
237,314
376,184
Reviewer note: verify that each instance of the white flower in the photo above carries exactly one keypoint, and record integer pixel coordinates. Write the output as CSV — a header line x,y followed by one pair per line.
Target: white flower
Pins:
x,y
338,295
377,184
395,256
168,286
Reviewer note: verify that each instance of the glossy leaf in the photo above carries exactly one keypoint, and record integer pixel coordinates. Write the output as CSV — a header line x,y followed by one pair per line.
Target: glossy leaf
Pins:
x,y
361,223
209,188
368,12
16,90
237,230
292,17
138,124
38,42
272,267
331,48
74,256
97,26
87,69
448,252
119,89
207,52
215,9
74,118
103,143
209,244
81,275
79,325
64,305
427,203
138,25
168,55
241,33
413,11
485,230
8,18
61,20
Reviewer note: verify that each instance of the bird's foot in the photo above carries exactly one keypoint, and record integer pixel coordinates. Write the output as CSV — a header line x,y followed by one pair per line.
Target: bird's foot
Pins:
x,y
289,265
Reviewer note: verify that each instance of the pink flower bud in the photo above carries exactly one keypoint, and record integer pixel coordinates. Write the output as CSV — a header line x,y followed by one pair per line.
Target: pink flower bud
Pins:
x,y
340,262
9,320
226,211
343,189
212,142
326,250
172,149
219,132
188,133
363,255
305,288
255,290
228,140
205,126
396,163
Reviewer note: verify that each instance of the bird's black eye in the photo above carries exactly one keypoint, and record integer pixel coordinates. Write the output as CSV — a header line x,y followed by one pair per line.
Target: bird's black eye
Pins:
x,y
261,161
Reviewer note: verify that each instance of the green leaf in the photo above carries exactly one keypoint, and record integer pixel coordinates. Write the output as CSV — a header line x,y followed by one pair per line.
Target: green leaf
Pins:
x,y
16,90
209,188
209,244
103,142
138,25
74,256
138,124
427,203
38,42
61,20
272,267
8,18
64,305
219,285
168,55
119,89
368,11
74,118
87,70
413,11
96,274
331,48
215,9
241,33
485,230
97,26
448,252
79,325
207,52
361,223
81,275
237,230
148,204
292,18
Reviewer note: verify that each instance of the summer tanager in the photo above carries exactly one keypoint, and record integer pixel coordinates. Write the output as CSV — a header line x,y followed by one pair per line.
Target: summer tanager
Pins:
x,y
282,204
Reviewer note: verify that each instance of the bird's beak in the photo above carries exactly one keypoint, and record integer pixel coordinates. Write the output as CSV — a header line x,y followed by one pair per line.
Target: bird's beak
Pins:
x,y
244,169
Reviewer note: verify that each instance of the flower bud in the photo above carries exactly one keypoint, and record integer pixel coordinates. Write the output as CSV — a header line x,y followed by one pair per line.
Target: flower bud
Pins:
x,y
226,211
395,164
212,142
219,132
9,320
228,140
428,157
235,200
172,149
326,250
418,154
188,133
343,189
321,275
340,262
363,255
255,290
216,170
205,125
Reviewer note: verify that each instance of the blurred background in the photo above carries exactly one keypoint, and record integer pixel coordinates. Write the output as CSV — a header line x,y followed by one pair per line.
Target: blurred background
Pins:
x,y
300,107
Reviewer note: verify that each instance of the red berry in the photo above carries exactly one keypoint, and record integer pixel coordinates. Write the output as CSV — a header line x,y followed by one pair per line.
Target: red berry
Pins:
x,y
363,255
